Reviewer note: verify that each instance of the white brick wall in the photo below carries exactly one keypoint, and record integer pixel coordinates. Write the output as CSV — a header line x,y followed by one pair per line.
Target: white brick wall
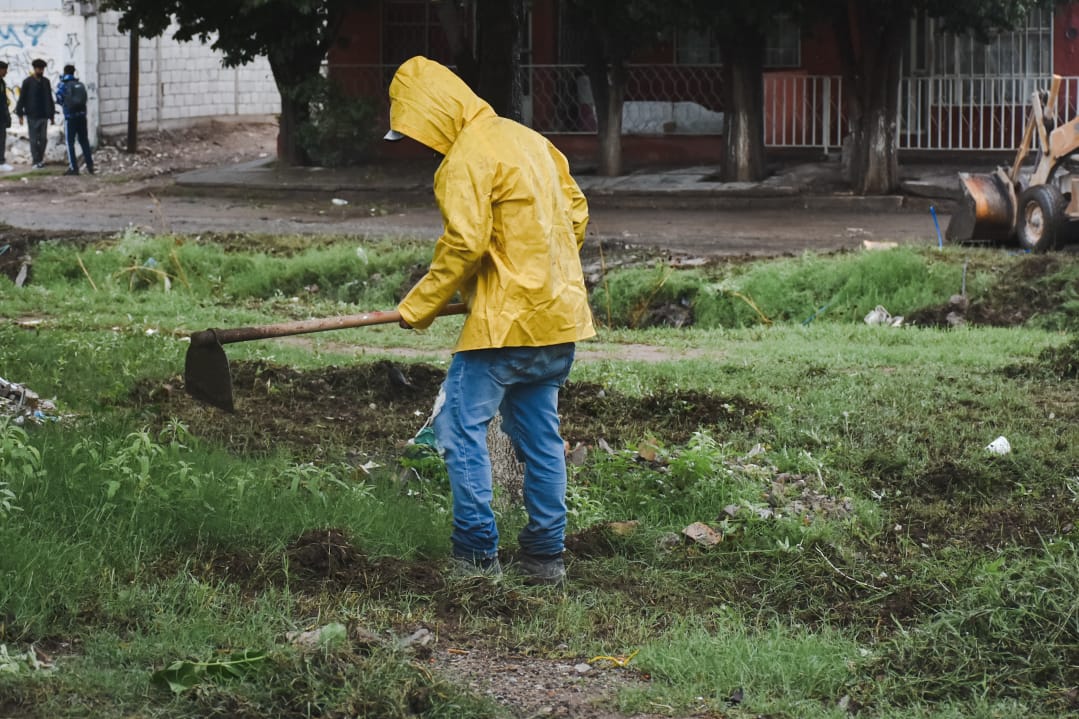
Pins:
x,y
179,83
36,5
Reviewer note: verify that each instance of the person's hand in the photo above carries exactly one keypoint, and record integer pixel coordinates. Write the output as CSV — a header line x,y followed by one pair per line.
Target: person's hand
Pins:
x,y
403,324
21,119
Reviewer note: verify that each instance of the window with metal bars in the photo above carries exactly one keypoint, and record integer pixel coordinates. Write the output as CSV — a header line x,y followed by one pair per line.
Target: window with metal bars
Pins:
x,y
412,27
783,46
1007,68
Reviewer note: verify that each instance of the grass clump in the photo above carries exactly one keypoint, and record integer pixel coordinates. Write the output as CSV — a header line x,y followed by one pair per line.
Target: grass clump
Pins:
x,y
776,668
348,271
1011,635
912,282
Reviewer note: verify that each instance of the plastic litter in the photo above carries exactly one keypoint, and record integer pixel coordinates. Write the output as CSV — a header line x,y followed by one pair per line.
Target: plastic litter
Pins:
x,y
881,316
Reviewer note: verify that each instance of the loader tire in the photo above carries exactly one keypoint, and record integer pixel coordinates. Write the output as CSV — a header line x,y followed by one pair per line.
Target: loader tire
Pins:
x,y
1041,218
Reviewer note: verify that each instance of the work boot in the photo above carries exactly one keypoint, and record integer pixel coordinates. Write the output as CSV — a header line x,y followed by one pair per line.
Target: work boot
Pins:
x,y
71,171
542,570
463,567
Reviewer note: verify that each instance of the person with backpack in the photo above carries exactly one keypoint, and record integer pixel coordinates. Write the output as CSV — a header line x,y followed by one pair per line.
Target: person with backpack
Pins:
x,y
71,95
36,103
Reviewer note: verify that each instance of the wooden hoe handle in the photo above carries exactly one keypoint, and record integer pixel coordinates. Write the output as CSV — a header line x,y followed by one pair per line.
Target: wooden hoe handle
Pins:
x,y
299,327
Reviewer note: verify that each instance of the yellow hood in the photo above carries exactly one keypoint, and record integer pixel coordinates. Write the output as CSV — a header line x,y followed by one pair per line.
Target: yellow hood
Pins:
x,y
430,104
514,219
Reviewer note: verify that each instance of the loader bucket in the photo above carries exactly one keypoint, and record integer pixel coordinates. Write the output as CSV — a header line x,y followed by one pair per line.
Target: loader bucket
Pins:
x,y
987,212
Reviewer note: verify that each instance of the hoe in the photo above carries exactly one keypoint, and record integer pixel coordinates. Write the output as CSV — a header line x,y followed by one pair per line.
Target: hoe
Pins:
x,y
206,370
1031,206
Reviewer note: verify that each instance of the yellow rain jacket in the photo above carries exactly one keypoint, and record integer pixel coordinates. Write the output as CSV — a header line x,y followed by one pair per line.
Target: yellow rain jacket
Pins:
x,y
514,219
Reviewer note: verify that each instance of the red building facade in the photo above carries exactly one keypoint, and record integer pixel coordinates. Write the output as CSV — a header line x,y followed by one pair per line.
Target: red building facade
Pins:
x,y
956,94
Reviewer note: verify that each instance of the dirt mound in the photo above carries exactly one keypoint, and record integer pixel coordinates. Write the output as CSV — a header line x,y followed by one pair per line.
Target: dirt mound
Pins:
x,y
1030,289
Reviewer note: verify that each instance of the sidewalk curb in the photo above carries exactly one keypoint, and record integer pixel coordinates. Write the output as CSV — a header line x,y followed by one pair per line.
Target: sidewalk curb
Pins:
x,y
839,203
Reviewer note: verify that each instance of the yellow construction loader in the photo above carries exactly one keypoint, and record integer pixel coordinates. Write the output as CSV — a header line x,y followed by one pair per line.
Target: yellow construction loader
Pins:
x,y
1031,205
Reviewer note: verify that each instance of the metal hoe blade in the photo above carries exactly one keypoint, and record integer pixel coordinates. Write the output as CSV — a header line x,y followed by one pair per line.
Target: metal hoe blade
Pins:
x,y
207,377
206,372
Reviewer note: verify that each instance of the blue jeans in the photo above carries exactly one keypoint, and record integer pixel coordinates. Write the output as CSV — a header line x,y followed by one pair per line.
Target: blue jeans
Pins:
x,y
522,383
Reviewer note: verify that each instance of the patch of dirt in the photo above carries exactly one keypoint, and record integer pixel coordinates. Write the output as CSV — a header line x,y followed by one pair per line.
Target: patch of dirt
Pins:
x,y
936,525
374,408
1059,362
1018,295
535,687
167,152
542,681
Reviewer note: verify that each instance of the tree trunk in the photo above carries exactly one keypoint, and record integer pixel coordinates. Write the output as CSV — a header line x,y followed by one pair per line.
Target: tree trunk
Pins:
x,y
293,115
610,140
871,46
453,26
295,111
291,71
499,30
608,95
874,166
743,106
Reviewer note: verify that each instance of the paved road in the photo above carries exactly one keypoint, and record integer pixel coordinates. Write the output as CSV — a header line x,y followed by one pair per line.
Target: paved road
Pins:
x,y
101,206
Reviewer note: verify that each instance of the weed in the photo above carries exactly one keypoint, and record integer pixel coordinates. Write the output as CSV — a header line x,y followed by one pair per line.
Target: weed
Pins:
x,y
19,460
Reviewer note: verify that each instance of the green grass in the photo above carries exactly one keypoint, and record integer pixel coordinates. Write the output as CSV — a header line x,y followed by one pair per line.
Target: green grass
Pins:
x,y
777,668
842,288
874,556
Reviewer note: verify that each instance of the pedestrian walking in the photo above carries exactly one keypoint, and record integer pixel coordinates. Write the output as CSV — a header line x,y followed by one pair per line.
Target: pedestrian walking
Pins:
x,y
36,105
5,118
72,97
514,222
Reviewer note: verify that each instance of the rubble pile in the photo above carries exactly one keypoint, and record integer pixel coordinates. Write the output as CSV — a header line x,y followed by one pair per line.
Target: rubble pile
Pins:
x,y
23,404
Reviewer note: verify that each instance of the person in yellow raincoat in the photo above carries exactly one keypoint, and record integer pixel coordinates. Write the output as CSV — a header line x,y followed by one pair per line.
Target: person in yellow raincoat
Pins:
x,y
514,222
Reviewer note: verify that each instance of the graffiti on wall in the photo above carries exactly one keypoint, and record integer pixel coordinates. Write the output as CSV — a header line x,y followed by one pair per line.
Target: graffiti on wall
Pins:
x,y
20,44
29,35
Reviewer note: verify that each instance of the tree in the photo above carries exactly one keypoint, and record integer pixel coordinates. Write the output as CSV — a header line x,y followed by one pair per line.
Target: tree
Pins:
x,y
617,28
494,70
500,30
294,35
740,26
741,30
872,35
742,47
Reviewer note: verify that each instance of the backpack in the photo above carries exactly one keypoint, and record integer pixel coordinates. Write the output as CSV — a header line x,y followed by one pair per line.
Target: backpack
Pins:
x,y
75,96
